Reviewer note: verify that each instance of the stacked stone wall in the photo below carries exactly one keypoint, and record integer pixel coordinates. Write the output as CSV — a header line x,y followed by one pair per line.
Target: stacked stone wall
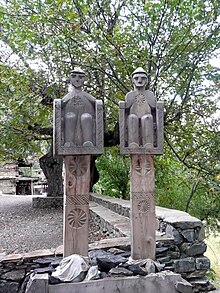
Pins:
x,y
180,250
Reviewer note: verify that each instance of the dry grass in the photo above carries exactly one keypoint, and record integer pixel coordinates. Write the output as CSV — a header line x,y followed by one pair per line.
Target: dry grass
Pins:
x,y
213,253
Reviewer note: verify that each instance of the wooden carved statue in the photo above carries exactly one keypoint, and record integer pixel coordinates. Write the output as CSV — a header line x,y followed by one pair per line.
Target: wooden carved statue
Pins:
x,y
78,120
141,119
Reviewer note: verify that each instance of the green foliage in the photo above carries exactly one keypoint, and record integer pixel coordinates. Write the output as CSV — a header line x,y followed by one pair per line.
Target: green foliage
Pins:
x,y
187,189
114,174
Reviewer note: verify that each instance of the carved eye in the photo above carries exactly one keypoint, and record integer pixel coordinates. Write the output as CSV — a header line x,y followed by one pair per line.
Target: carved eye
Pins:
x,y
73,75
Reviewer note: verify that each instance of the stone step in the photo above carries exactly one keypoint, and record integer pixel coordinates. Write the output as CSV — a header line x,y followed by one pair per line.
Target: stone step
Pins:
x,y
178,219
117,205
110,221
117,225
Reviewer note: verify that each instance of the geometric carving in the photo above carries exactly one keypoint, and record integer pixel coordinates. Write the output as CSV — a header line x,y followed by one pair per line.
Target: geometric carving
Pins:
x,y
143,206
143,201
138,167
79,199
78,165
77,218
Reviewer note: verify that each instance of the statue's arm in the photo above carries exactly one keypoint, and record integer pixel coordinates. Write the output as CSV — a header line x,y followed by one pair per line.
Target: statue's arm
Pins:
x,y
90,97
151,99
65,99
129,100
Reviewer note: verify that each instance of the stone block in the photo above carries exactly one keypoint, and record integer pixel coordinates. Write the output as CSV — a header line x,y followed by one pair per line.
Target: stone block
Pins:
x,y
120,272
200,233
164,260
173,254
170,230
8,287
188,234
11,258
183,287
39,253
154,283
193,249
202,263
38,284
15,275
196,274
184,265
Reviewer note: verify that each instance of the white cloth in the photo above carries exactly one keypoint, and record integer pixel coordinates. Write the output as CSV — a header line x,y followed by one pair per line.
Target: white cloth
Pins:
x,y
72,268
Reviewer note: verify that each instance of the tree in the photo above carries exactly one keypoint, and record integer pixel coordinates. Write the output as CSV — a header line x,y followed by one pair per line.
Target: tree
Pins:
x,y
173,40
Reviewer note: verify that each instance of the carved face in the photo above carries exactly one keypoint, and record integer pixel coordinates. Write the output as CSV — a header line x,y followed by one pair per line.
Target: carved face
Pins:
x,y
77,79
139,80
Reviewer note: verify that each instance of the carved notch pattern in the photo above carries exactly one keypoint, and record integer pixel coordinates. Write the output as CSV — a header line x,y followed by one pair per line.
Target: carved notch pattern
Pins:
x,y
78,199
138,166
77,218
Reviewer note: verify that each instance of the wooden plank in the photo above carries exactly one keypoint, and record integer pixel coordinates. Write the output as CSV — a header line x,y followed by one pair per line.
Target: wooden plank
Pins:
x,y
76,204
143,219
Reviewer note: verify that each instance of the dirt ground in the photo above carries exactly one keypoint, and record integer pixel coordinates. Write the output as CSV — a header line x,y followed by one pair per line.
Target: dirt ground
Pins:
x,y
24,229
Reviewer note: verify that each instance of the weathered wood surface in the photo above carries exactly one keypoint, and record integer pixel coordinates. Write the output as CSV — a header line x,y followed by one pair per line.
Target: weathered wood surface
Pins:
x,y
76,204
143,219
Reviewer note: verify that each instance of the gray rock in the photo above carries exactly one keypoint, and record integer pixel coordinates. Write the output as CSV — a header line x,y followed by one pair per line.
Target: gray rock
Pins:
x,y
164,260
106,260
200,233
170,230
184,265
193,249
199,281
54,280
44,270
8,287
196,274
183,287
120,272
169,268
173,254
150,266
137,270
43,262
103,275
161,250
56,261
202,263
15,275
188,234
115,250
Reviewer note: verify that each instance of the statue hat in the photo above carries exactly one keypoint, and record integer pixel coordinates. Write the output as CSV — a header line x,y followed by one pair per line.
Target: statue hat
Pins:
x,y
139,70
77,70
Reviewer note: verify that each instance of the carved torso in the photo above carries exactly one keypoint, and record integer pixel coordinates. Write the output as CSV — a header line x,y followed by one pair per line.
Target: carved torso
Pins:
x,y
140,103
79,103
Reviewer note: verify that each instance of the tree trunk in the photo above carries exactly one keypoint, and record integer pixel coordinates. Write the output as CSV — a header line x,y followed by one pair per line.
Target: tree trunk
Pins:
x,y
52,168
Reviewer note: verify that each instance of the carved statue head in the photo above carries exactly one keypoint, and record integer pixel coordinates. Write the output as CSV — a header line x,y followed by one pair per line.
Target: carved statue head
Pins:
x,y
77,78
139,78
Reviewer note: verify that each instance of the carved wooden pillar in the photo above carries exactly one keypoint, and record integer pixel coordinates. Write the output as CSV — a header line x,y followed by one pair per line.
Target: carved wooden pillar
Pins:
x,y
78,134
141,136
143,219
76,204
